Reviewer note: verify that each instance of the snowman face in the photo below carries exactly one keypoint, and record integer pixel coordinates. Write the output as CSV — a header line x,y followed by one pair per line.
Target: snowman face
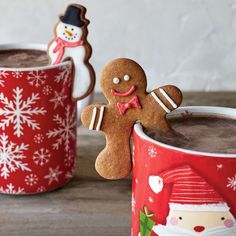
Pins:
x,y
200,221
69,33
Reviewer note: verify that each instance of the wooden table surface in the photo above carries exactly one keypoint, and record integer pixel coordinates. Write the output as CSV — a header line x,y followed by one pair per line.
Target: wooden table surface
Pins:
x,y
88,205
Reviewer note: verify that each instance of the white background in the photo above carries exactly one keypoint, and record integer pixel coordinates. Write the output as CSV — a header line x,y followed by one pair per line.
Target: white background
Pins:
x,y
189,43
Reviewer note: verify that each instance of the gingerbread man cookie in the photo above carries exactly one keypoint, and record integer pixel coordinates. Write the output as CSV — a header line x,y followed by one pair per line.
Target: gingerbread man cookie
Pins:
x,y
70,42
124,85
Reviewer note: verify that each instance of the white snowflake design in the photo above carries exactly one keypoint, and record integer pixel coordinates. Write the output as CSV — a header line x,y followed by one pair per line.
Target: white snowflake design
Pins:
x,y
53,175
19,112
69,159
2,82
36,78
3,75
65,131
10,188
64,75
47,90
219,166
41,156
133,202
69,174
17,74
31,179
41,189
152,152
11,156
232,183
58,99
150,199
38,138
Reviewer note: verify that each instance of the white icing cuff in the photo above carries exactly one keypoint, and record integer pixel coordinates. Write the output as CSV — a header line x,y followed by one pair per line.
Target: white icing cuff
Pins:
x,y
158,100
93,118
100,118
168,98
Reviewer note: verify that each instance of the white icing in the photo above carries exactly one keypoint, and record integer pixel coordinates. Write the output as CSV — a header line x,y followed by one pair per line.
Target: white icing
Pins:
x,y
81,104
63,29
199,207
116,80
53,56
93,118
126,77
155,183
168,98
100,118
166,109
82,78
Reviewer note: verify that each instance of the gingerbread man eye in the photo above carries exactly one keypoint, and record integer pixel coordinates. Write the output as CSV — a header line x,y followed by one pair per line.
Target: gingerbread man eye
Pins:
x,y
126,77
116,80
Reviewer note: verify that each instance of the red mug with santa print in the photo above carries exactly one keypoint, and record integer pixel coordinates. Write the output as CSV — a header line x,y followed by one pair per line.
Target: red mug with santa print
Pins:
x,y
38,126
180,192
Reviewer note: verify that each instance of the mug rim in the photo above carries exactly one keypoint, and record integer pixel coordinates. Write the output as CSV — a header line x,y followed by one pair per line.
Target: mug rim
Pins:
x,y
224,112
33,46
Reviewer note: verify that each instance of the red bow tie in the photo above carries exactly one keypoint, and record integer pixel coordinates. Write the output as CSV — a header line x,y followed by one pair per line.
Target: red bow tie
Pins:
x,y
133,103
61,44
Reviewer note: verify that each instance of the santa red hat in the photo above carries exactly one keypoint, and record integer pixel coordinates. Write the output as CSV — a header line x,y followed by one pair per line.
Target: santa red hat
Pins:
x,y
190,191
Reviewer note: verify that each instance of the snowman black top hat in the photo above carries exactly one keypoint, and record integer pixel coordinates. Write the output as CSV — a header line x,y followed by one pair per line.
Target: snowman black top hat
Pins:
x,y
72,16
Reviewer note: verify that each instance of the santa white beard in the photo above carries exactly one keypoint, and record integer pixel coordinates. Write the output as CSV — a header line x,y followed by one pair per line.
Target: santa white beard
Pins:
x,y
163,230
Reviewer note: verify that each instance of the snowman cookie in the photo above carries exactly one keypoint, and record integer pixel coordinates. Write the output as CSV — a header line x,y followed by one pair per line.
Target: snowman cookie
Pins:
x,y
70,42
124,84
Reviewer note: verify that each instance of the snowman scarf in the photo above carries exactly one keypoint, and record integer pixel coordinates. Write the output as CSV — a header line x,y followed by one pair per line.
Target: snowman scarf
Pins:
x,y
60,47
163,230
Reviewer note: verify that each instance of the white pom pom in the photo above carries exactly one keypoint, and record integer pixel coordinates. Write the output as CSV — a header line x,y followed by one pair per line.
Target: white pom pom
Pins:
x,y
155,183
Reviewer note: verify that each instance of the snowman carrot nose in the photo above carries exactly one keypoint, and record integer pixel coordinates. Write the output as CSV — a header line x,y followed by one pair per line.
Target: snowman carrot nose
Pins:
x,y
69,33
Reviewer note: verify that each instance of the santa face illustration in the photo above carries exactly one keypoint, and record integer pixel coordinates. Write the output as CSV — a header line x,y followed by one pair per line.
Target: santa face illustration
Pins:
x,y
200,221
195,207
69,33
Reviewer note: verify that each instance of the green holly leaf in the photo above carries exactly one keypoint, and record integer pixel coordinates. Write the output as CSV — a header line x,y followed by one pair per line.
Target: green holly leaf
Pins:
x,y
146,224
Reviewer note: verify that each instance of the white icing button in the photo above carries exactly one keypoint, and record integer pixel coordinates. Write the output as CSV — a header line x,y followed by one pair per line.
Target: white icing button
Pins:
x,y
116,80
126,77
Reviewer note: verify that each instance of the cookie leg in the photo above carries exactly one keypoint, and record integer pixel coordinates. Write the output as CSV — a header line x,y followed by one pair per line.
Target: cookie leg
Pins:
x,y
114,162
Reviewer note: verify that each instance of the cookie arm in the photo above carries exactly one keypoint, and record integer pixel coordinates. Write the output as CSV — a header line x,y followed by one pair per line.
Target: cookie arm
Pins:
x,y
158,103
167,97
92,117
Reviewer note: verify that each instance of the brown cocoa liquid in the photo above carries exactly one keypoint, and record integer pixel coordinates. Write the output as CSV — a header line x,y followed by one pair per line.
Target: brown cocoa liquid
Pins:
x,y
23,58
204,134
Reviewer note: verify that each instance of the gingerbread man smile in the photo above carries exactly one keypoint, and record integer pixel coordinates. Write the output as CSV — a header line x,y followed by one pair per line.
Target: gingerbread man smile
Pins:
x,y
126,94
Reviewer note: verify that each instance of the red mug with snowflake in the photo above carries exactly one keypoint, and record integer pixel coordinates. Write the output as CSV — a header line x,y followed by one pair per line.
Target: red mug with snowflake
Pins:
x,y
38,127
180,192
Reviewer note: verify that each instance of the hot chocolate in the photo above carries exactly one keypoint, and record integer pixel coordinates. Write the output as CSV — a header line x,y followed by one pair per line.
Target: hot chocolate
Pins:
x,y
23,58
205,134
